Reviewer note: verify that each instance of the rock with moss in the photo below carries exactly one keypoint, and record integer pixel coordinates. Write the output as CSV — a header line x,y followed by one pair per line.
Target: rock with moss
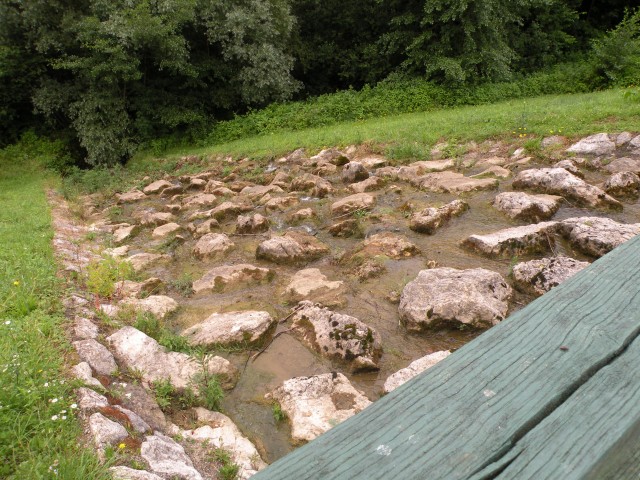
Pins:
x,y
525,206
597,236
292,248
537,237
353,203
337,335
541,275
622,184
227,277
430,219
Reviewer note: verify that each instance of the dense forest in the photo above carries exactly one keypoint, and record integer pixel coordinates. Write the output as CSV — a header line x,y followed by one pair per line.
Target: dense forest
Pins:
x,y
106,76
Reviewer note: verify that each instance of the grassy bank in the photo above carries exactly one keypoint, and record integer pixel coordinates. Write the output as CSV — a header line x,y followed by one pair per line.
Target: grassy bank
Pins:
x,y
39,431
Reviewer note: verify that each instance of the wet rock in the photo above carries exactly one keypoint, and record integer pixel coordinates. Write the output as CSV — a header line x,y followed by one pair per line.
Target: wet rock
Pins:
x,y
325,169
353,203
597,236
622,184
157,187
124,233
150,286
173,191
252,224
371,162
142,353
106,432
316,404
227,276
212,245
130,197
570,167
166,229
430,219
493,171
159,305
229,210
89,401
140,261
414,369
312,284
167,457
219,431
281,203
354,172
411,172
125,473
451,182
524,206
388,244
172,207
624,164
598,144
442,296
302,215
368,185
259,191
560,182
96,355
156,218
199,200
316,186
82,371
224,328
282,180
537,237
332,156
202,228
336,335
369,269
539,276
84,328
292,247
346,228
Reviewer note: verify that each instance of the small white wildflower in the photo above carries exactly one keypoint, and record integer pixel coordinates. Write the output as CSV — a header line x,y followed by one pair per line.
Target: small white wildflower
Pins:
x,y
54,418
63,411
64,417
128,395
46,384
74,406
8,322
54,400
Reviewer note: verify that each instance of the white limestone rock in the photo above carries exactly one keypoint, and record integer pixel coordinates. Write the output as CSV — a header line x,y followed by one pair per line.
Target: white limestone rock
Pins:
x,y
106,432
224,328
212,245
524,206
598,144
541,275
96,355
414,369
597,236
312,284
230,276
537,237
167,457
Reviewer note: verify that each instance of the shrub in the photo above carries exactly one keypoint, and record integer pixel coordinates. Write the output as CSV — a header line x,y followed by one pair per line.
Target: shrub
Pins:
x,y
103,275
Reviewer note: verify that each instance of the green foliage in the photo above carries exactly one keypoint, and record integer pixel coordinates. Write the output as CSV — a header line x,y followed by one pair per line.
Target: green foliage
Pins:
x,y
183,284
616,56
163,391
152,326
278,413
39,430
228,470
103,275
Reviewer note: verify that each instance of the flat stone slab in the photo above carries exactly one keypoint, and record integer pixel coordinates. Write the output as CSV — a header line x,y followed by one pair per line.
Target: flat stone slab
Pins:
x,y
430,219
292,248
124,233
447,296
166,229
411,172
167,457
158,305
387,244
96,355
140,352
541,275
140,261
316,404
598,144
337,335
229,276
622,184
537,237
524,206
125,473
415,368
452,182
212,245
368,185
624,164
353,203
597,236
130,197
157,186
311,284
106,432
558,181
224,328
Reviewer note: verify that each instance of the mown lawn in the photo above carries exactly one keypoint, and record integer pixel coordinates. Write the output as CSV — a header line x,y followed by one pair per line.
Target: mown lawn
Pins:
x,y
39,431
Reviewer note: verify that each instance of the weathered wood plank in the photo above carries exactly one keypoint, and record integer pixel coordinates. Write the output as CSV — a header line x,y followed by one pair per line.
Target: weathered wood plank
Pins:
x,y
469,410
595,432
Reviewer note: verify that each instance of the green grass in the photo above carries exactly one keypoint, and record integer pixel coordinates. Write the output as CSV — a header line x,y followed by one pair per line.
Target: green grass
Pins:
x,y
412,134
39,432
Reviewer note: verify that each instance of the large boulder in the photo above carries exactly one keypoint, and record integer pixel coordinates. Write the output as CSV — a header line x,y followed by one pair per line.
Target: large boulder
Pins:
x,y
598,144
228,276
414,369
312,284
230,327
167,457
212,245
336,335
541,275
622,184
444,296
558,181
597,236
219,431
316,186
524,206
292,248
537,237
353,203
430,219
139,352
316,404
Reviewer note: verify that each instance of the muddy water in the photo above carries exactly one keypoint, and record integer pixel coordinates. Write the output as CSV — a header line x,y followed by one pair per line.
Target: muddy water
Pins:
x,y
286,357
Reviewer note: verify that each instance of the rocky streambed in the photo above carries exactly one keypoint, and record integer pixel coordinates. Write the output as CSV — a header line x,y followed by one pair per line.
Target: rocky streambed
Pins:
x,y
320,281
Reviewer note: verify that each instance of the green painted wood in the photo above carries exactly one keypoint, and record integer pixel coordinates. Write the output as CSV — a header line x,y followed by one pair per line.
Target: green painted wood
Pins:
x,y
595,433
467,412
